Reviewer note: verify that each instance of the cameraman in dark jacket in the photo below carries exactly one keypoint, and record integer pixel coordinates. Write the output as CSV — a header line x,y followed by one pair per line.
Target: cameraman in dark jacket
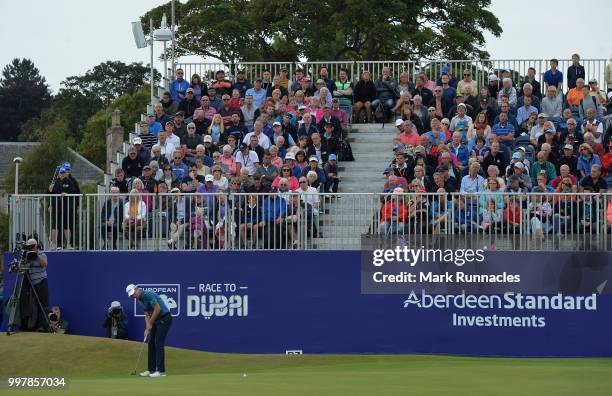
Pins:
x,y
31,315
116,322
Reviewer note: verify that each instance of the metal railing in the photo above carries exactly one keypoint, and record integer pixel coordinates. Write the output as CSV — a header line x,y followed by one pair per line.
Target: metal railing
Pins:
x,y
220,221
481,68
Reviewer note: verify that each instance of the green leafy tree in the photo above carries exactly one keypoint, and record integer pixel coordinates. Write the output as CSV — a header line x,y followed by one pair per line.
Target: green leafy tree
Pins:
x,y
23,94
93,145
287,30
39,165
80,97
109,80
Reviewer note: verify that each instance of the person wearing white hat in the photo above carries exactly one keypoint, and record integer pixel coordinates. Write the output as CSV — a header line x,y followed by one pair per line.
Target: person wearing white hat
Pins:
x,y
116,322
157,323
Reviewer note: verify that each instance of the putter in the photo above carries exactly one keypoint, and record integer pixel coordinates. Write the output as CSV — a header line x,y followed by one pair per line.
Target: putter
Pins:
x,y
139,355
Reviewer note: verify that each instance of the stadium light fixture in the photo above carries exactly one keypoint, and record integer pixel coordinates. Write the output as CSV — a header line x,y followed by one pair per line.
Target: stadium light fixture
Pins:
x,y
164,34
17,161
141,42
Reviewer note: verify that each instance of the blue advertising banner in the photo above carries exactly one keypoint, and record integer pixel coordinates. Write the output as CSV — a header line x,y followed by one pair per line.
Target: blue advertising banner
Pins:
x,y
311,301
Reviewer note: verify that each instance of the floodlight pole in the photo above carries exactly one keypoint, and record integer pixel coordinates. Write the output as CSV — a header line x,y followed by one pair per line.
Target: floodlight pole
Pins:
x,y
172,76
152,79
165,67
17,177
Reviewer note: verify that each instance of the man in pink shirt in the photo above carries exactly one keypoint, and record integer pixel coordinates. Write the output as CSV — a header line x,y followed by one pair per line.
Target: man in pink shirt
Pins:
x,y
340,115
205,109
408,135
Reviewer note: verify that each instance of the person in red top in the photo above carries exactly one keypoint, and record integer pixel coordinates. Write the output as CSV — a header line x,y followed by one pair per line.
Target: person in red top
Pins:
x,y
409,135
393,213
221,85
606,161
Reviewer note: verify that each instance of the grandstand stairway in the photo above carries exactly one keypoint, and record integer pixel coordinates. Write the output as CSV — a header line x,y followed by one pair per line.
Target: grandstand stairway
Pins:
x,y
346,218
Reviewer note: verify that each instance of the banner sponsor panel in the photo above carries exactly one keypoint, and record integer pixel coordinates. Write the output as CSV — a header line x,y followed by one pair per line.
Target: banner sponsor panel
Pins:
x,y
327,302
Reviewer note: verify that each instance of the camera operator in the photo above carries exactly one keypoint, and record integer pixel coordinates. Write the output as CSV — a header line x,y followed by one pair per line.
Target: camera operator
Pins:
x,y
116,322
56,323
32,315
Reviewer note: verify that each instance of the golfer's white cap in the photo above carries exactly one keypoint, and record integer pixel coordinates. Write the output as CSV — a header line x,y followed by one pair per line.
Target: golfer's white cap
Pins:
x,y
130,289
115,304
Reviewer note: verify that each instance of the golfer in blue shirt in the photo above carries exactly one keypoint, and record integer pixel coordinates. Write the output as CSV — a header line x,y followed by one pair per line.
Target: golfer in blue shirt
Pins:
x,y
158,321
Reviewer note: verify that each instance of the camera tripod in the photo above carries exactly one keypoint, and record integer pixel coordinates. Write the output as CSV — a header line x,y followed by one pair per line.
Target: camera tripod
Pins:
x,y
15,299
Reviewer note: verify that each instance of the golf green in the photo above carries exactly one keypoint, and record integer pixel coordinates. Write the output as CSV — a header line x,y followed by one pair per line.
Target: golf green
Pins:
x,y
97,366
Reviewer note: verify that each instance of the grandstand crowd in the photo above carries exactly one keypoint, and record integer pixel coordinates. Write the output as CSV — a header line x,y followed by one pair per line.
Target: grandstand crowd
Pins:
x,y
282,134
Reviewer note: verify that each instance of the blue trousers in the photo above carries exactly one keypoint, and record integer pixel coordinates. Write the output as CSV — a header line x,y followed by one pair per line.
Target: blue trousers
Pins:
x,y
157,342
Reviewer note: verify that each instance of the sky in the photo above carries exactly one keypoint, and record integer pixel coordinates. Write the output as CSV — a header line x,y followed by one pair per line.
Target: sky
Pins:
x,y
68,37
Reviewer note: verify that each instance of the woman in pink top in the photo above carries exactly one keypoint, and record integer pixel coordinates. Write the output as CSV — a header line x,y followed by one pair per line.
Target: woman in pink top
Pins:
x,y
228,160
276,160
287,173
441,149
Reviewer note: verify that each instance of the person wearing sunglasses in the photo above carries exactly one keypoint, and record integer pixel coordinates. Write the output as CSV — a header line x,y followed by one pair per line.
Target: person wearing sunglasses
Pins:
x,y
286,173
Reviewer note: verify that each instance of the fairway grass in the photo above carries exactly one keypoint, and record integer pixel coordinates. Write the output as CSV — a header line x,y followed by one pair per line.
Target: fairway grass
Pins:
x,y
98,366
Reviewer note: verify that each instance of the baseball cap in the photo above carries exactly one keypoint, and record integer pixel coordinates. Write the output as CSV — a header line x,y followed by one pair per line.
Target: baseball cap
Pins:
x,y
519,165
151,114
114,304
398,190
523,149
332,157
276,123
243,146
175,190
493,77
516,156
313,158
179,113
137,140
461,105
130,289
290,156
570,147
387,170
189,90
209,178
593,80
146,167
301,107
442,168
67,165
62,170
549,130
397,147
610,95
542,115
444,69
399,122
207,139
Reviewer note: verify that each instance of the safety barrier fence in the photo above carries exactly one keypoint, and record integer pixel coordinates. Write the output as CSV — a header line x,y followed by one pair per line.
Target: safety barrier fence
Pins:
x,y
480,68
309,220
